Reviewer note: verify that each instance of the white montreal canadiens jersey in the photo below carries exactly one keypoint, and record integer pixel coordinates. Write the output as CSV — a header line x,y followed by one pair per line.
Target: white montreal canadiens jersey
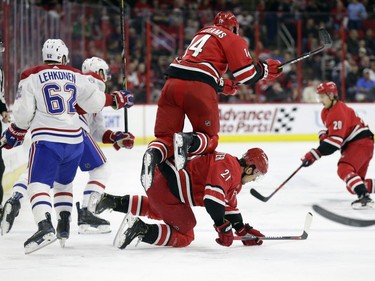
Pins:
x,y
45,102
93,123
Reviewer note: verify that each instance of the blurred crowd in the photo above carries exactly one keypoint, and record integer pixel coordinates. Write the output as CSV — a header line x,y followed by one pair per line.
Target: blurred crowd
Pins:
x,y
174,23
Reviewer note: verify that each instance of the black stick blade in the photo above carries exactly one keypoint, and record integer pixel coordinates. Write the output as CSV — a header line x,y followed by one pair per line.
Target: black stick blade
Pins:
x,y
325,38
341,219
259,196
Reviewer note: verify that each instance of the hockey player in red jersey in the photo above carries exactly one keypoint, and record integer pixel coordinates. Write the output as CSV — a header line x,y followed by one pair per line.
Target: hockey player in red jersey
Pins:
x,y
212,181
192,83
347,132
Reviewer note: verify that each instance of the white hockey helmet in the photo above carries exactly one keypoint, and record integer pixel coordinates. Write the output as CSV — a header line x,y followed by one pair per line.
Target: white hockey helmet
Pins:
x,y
54,50
98,66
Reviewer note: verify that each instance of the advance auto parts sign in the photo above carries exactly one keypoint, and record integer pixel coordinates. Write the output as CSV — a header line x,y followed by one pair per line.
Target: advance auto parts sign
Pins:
x,y
259,119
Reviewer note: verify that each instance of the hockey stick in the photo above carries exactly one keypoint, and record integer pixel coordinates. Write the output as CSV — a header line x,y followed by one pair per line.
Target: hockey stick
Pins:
x,y
341,219
303,236
259,196
326,40
123,38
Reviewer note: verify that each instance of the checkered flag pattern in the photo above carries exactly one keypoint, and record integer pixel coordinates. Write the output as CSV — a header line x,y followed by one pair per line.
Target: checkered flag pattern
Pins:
x,y
284,119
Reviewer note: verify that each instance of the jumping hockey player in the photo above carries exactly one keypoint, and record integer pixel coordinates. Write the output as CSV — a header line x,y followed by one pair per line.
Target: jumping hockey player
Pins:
x,y
192,83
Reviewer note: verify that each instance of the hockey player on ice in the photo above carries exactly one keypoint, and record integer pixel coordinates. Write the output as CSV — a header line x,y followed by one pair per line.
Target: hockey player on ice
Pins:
x,y
347,132
45,105
212,181
93,160
191,87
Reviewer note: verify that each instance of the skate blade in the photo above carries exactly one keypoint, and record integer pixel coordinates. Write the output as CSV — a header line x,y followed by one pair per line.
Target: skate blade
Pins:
x,y
146,178
32,247
88,229
62,242
358,206
94,199
179,160
4,224
126,223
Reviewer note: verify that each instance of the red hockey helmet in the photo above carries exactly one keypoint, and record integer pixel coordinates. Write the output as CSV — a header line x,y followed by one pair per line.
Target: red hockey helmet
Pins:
x,y
258,158
227,20
327,88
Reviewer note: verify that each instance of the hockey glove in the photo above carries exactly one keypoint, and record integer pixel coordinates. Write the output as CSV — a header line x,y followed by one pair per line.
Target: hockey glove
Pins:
x,y
225,234
122,98
272,69
12,137
322,135
311,157
119,139
230,88
246,230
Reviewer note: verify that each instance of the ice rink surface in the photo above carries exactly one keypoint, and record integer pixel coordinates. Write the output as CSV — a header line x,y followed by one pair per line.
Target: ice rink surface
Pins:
x,y
331,252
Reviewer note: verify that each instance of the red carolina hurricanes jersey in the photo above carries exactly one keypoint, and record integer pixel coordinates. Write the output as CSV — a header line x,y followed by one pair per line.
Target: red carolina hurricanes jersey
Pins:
x,y
212,51
215,176
343,124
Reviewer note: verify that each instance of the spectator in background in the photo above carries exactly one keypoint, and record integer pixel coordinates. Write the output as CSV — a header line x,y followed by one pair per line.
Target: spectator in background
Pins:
x,y
356,14
364,84
309,32
132,76
275,93
338,14
351,80
353,42
271,20
309,92
372,68
246,93
370,40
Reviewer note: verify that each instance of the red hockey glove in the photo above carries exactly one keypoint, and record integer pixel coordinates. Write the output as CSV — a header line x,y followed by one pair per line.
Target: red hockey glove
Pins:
x,y
122,98
12,137
311,157
230,87
272,69
119,139
225,234
246,230
322,135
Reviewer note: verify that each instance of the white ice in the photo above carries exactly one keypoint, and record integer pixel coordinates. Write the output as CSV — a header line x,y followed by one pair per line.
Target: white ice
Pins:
x,y
331,252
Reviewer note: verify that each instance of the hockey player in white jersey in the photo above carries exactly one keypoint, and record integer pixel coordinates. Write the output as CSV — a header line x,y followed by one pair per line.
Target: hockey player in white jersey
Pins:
x,y
92,161
45,105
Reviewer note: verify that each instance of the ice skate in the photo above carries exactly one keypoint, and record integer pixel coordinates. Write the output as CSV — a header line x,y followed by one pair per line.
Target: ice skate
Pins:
x,y
130,228
363,202
88,223
63,228
43,237
148,168
181,144
10,212
106,202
